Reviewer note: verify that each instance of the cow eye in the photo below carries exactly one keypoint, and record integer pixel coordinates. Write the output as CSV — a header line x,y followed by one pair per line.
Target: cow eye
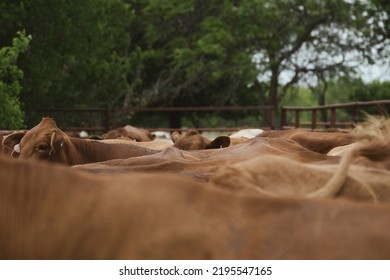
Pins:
x,y
43,147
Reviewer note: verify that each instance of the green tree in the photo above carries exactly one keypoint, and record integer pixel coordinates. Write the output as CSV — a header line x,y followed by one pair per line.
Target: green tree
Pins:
x,y
186,56
11,114
188,52
307,40
229,52
77,57
373,91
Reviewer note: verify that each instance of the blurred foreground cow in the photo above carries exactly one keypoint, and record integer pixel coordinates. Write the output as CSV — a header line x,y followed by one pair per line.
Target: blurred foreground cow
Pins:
x,y
52,212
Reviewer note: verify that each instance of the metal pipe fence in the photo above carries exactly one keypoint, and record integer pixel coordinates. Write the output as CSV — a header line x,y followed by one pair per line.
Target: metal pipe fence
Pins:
x,y
328,116
107,118
353,112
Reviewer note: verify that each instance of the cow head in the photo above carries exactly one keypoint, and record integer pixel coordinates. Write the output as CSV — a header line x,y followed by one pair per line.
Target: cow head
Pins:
x,y
130,133
192,140
41,142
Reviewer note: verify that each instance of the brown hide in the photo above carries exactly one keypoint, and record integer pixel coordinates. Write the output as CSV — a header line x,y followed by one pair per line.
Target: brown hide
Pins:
x,y
52,212
47,142
192,140
130,132
157,144
321,142
278,176
199,165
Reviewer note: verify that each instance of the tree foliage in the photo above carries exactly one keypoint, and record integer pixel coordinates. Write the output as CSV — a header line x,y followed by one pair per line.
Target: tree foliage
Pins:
x,y
310,39
11,115
77,57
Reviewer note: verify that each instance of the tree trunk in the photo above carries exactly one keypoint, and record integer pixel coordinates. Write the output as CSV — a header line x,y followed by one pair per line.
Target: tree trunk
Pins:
x,y
262,101
320,91
127,98
273,96
322,102
130,91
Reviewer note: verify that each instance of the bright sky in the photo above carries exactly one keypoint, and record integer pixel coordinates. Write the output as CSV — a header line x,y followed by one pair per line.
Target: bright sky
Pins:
x,y
375,73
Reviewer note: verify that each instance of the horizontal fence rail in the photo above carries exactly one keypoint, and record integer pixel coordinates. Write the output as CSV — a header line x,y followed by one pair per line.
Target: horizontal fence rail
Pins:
x,y
320,117
108,116
329,113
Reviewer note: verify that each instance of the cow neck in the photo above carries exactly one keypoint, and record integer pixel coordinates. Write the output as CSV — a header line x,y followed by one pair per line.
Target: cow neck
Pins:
x,y
81,151
33,198
25,183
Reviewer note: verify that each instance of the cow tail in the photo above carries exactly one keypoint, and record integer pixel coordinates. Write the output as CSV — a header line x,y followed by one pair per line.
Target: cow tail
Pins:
x,y
376,150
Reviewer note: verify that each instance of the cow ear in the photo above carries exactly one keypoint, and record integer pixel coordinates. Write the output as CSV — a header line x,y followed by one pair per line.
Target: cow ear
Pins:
x,y
151,136
175,136
13,139
56,141
220,142
192,132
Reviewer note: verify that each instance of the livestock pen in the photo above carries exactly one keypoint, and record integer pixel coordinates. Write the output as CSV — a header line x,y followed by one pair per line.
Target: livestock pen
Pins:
x,y
313,117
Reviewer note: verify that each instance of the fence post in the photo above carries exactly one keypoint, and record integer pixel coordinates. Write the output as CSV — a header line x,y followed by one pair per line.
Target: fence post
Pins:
x,y
272,112
332,117
107,117
354,114
283,118
297,118
313,119
381,109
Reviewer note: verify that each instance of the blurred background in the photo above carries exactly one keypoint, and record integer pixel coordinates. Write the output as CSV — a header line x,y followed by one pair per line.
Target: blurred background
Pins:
x,y
113,55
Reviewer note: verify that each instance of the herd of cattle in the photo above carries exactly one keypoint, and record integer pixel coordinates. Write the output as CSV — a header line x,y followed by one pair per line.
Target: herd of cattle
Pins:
x,y
254,194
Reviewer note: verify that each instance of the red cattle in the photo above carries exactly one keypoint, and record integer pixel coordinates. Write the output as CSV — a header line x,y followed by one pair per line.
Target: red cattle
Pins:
x,y
193,140
276,175
317,141
200,164
131,133
53,212
47,142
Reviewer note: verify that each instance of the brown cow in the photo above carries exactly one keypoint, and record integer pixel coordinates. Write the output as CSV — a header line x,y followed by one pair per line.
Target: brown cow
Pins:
x,y
317,141
276,176
193,140
280,176
374,128
52,212
157,144
47,142
200,164
131,133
